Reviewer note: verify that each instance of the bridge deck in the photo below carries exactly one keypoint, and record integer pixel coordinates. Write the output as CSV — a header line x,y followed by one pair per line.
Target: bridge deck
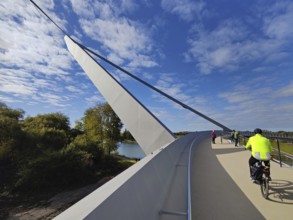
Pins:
x,y
222,188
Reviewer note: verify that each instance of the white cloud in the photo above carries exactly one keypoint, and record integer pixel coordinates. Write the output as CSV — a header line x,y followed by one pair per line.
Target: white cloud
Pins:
x,y
74,89
278,21
173,87
16,82
35,62
104,9
30,42
148,76
221,56
20,85
257,104
128,5
125,39
7,99
232,43
285,91
52,99
185,9
94,100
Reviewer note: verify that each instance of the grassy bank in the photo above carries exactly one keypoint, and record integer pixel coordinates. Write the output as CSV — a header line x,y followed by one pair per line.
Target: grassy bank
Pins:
x,y
284,146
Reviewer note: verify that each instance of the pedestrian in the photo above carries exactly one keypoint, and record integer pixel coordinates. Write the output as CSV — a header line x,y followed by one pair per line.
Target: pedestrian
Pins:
x,y
232,136
213,136
236,138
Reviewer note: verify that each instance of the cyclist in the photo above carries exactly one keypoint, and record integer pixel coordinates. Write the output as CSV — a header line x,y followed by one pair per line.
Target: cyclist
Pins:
x,y
261,149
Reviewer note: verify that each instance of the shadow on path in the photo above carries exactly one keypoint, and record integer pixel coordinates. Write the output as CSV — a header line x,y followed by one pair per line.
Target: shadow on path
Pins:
x,y
214,194
281,191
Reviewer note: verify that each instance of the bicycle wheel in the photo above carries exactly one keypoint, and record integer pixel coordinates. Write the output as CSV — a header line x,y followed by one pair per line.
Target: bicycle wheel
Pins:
x,y
264,187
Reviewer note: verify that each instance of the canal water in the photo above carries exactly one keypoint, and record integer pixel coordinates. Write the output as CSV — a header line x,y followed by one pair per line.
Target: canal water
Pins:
x,y
130,150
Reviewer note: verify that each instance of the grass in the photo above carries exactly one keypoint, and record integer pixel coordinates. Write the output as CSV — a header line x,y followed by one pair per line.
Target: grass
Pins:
x,y
284,146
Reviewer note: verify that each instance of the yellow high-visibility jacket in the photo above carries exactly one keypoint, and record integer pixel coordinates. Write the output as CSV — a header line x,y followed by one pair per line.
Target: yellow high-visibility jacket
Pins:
x,y
261,147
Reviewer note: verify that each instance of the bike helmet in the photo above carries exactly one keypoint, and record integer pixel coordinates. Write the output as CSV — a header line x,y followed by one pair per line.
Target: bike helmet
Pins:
x,y
257,131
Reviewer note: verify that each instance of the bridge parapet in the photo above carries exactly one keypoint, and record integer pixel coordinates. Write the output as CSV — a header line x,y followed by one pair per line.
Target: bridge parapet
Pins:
x,y
140,192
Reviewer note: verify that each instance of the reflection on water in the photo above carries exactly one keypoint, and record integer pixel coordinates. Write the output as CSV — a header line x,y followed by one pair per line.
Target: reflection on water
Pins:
x,y
130,150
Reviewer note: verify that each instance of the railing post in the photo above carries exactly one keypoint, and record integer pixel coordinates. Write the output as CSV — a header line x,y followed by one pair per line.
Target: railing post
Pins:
x,y
279,152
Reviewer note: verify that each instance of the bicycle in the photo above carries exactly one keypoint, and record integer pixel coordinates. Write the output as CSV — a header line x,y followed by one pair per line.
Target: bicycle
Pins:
x,y
261,177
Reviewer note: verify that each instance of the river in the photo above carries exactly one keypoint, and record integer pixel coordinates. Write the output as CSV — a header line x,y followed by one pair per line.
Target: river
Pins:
x,y
130,150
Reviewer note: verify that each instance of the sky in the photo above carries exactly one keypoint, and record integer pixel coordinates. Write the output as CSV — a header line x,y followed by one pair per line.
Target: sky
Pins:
x,y
231,60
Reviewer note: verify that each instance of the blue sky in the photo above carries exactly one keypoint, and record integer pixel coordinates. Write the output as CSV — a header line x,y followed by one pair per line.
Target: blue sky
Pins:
x,y
229,59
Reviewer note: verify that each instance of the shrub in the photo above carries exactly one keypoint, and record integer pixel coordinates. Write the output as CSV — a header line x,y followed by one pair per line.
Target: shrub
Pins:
x,y
55,170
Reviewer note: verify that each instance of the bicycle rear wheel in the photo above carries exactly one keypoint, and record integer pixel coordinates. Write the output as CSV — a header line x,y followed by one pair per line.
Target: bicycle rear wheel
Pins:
x,y
264,187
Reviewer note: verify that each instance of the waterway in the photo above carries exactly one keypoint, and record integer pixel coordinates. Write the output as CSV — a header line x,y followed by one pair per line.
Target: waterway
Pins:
x,y
130,150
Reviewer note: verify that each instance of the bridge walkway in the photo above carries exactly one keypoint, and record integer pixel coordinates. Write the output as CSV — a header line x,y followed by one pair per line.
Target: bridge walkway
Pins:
x,y
222,189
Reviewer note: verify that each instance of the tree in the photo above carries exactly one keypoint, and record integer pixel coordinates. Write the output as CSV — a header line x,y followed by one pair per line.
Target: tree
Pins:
x,y
112,125
5,111
87,148
103,126
10,135
126,135
42,159
92,124
47,132
10,138
43,151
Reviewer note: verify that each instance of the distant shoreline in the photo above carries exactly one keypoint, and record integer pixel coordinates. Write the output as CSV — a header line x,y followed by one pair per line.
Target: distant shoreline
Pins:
x,y
129,142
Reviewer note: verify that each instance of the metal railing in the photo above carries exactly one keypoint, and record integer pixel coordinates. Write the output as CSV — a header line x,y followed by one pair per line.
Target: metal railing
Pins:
x,y
283,157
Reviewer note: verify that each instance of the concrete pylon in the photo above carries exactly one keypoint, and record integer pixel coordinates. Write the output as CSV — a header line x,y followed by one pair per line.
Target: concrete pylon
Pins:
x,y
148,131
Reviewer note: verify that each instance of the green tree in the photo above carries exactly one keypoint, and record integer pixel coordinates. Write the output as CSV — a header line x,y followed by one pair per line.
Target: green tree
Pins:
x,y
10,138
46,132
91,154
112,126
103,126
41,156
126,135
93,124
79,125
10,135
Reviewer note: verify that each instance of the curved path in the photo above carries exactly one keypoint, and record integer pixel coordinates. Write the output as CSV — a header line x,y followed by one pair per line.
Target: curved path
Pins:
x,y
222,188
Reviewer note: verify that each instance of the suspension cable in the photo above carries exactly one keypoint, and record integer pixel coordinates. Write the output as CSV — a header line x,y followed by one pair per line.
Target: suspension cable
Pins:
x,y
48,17
135,77
158,90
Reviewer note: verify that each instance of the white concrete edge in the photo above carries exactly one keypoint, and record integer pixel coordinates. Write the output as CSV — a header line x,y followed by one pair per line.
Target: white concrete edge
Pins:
x,y
82,208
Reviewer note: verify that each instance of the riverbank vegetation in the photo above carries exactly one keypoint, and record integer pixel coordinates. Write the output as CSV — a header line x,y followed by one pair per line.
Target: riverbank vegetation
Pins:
x,y
43,153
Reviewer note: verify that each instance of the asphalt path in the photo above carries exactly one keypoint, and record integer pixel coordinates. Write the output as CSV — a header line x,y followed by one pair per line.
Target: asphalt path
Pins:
x,y
222,189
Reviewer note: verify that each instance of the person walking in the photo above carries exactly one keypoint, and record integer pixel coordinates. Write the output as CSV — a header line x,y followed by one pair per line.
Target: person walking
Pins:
x,y
236,138
213,136
232,136
261,149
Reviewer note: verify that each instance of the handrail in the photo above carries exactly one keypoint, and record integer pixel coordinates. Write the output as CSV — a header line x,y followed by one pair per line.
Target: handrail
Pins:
x,y
267,135
246,135
189,182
